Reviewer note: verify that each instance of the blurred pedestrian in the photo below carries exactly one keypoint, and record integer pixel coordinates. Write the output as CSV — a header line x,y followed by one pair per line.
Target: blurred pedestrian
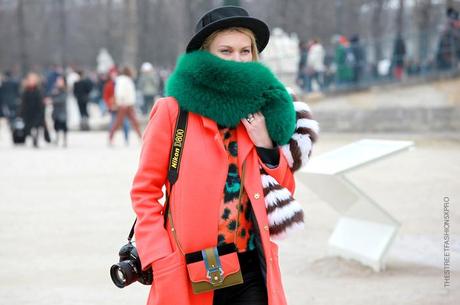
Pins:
x,y
359,61
453,17
81,90
445,53
51,74
148,85
33,108
398,60
448,52
344,61
109,99
71,78
99,92
1,100
163,76
125,99
10,96
315,64
59,115
302,74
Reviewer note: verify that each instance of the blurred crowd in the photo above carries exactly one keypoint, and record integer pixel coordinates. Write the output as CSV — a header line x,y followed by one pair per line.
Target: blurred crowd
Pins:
x,y
31,103
117,92
346,65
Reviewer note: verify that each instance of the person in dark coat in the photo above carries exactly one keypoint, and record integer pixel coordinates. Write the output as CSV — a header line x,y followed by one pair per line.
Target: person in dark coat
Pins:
x,y
1,101
359,59
399,53
81,90
51,75
32,107
303,79
9,96
59,115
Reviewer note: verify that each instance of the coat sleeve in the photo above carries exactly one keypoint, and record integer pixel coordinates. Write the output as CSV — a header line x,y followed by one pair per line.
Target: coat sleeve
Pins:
x,y
152,240
281,173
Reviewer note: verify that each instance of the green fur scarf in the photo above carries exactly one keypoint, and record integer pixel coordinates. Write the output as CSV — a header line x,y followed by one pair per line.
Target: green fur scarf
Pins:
x,y
227,91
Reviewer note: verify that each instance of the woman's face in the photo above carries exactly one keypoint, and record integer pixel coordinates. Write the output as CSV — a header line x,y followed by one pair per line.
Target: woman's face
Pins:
x,y
232,45
31,80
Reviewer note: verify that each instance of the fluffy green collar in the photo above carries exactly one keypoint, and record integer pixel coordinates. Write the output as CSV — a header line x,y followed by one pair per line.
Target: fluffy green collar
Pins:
x,y
227,91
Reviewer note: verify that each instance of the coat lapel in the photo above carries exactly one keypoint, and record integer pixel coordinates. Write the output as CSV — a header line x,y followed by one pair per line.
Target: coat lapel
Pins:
x,y
244,144
209,123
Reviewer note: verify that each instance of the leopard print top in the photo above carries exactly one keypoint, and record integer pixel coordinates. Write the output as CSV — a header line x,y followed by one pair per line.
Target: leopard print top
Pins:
x,y
231,210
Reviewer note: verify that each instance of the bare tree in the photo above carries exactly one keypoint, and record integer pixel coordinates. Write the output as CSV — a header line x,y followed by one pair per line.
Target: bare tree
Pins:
x,y
423,20
130,39
22,36
63,31
377,28
108,25
339,16
143,10
73,31
399,17
231,2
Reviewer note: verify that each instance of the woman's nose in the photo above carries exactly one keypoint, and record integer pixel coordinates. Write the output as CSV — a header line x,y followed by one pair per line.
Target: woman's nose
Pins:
x,y
236,56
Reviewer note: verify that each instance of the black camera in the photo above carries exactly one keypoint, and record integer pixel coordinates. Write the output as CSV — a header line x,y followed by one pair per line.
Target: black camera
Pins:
x,y
129,269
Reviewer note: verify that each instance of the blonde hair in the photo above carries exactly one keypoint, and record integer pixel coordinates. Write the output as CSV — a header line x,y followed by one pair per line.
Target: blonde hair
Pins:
x,y
247,32
32,79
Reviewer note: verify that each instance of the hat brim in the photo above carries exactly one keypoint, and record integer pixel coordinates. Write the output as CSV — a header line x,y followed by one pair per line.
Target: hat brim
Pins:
x,y
258,27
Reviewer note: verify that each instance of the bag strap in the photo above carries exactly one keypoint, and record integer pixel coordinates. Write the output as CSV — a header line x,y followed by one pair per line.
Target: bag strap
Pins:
x,y
174,161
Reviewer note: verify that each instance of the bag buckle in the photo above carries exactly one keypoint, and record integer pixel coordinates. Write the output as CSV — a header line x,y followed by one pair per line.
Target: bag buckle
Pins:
x,y
215,276
214,273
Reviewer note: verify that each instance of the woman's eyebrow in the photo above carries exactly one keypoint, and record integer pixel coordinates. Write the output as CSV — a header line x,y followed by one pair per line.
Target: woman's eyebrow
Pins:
x,y
227,46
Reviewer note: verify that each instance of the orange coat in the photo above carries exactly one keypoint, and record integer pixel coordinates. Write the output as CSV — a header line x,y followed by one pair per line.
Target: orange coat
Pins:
x,y
195,202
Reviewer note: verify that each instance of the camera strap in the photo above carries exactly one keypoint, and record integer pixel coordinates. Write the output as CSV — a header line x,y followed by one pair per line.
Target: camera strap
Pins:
x,y
176,156
174,161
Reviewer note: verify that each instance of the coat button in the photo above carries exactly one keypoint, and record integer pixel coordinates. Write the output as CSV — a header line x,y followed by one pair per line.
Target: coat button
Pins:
x,y
256,196
266,228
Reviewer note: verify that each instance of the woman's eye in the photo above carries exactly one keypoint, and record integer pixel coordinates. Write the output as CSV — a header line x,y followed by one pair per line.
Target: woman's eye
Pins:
x,y
246,51
225,51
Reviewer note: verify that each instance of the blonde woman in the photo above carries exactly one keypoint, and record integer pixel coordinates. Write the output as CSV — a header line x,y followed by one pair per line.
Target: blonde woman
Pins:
x,y
33,108
239,115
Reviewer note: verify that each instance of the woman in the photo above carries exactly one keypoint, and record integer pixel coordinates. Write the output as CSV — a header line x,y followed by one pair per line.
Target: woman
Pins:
x,y
33,107
148,84
125,99
109,99
238,115
59,115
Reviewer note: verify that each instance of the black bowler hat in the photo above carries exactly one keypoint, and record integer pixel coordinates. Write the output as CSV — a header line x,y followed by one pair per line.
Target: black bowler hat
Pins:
x,y
227,17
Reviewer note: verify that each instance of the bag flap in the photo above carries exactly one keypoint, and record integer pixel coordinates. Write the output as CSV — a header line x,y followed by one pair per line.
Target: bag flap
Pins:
x,y
197,271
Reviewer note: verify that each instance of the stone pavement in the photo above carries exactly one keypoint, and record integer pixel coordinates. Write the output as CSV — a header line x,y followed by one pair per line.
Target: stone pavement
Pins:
x,y
66,212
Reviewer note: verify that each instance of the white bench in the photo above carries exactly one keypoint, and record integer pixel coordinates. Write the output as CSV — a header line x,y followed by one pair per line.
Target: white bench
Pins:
x,y
365,230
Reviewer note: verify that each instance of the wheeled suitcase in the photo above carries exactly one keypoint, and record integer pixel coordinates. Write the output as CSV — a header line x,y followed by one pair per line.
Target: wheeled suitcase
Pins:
x,y
18,131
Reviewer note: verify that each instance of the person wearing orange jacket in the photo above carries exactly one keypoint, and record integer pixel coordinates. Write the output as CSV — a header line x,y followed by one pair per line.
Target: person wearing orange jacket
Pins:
x,y
109,99
235,182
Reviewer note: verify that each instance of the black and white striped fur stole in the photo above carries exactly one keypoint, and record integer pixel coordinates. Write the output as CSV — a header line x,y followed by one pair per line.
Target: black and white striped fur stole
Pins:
x,y
285,214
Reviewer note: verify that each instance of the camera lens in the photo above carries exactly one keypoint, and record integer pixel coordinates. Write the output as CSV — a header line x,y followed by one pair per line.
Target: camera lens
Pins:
x,y
123,274
120,276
